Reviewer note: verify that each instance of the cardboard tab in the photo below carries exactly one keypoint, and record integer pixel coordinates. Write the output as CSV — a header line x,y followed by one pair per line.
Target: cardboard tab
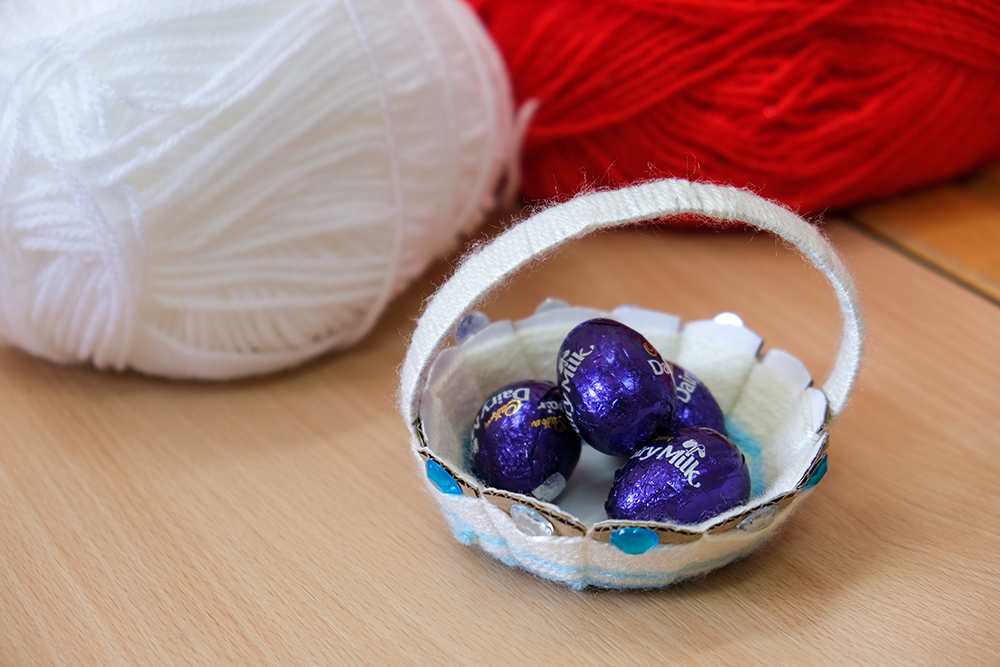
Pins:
x,y
816,460
781,502
668,534
469,486
564,525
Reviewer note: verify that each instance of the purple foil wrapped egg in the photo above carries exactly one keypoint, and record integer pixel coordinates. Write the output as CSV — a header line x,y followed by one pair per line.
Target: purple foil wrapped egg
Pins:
x,y
685,478
617,390
522,441
696,407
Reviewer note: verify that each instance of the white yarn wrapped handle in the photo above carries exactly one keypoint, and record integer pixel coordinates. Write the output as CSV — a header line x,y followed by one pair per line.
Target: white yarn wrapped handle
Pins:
x,y
531,239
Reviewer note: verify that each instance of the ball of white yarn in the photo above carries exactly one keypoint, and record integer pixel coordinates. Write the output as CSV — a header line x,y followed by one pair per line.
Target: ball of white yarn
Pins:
x,y
217,188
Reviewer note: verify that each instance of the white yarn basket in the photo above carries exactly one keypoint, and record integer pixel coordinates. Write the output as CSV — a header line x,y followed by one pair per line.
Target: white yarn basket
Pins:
x,y
220,188
769,399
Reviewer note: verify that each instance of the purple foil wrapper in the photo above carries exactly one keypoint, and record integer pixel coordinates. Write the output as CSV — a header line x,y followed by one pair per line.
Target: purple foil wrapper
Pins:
x,y
686,478
617,390
696,407
522,441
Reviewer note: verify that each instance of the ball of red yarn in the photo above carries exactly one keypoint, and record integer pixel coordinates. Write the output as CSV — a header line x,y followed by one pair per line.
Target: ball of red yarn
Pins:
x,y
816,104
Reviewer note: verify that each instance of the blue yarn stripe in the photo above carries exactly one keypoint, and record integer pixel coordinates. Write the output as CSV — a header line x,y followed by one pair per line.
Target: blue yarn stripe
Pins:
x,y
755,458
604,577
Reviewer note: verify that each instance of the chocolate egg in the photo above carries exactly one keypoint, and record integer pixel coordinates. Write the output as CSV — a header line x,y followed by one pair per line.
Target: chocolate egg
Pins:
x,y
521,440
686,478
617,390
696,407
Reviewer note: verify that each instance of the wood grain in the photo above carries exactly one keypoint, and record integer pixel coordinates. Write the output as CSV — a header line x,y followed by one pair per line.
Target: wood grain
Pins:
x,y
282,520
954,228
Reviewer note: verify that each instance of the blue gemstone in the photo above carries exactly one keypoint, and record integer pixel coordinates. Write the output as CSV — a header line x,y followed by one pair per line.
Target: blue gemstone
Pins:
x,y
817,474
440,478
634,540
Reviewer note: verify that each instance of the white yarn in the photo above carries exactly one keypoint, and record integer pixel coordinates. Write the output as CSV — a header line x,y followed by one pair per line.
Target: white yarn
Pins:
x,y
226,187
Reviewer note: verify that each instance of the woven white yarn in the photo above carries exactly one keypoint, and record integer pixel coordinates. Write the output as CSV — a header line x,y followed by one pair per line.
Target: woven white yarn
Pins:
x,y
769,399
484,271
217,188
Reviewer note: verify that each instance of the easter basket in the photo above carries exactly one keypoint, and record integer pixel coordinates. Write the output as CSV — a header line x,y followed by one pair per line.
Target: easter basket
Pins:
x,y
775,415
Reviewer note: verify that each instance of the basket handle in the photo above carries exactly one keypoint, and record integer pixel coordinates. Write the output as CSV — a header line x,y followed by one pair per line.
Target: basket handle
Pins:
x,y
483,271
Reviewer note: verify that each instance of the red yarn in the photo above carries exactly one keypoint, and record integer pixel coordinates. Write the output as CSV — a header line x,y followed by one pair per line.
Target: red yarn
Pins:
x,y
815,103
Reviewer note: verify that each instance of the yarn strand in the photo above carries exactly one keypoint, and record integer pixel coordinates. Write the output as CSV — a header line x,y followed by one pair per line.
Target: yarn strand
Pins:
x,y
819,104
223,188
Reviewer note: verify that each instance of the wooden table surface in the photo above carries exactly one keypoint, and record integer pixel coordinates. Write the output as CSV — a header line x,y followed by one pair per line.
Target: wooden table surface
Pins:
x,y
283,521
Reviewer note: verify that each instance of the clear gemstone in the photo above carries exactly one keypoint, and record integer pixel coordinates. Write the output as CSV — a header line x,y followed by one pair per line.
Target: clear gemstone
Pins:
x,y
728,318
759,520
551,304
530,522
550,488
634,540
471,324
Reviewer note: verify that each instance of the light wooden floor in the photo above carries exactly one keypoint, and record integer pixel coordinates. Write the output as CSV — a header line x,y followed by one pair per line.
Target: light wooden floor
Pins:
x,y
282,521
954,228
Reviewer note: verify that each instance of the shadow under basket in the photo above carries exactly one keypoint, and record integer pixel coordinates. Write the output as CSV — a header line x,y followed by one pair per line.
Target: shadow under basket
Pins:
x,y
774,414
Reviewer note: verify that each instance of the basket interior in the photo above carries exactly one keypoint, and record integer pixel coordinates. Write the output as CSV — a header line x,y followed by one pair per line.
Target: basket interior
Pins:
x,y
773,413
